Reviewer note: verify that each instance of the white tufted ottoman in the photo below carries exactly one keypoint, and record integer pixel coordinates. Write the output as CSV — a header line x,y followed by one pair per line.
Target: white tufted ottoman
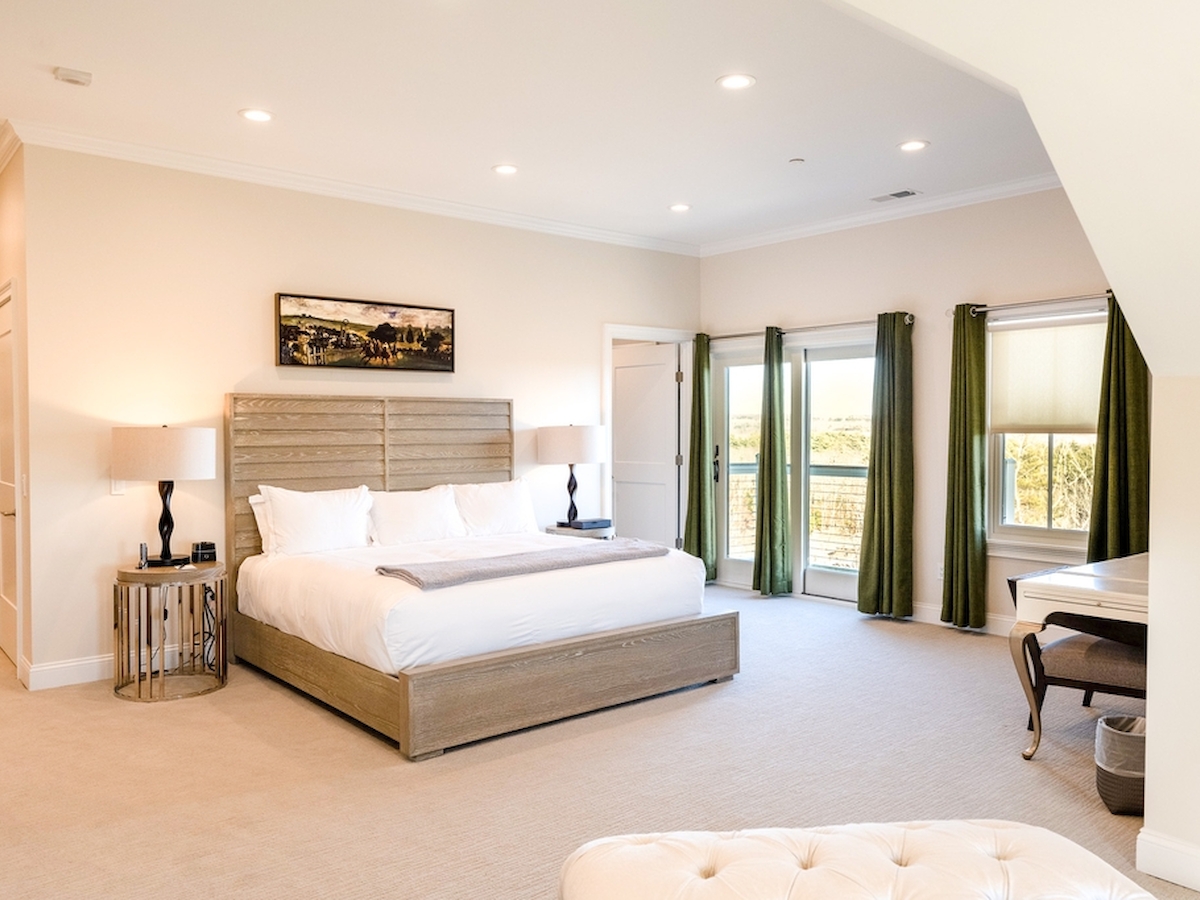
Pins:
x,y
953,860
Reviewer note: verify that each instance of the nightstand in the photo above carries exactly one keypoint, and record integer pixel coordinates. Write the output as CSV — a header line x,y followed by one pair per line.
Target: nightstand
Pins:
x,y
602,534
169,632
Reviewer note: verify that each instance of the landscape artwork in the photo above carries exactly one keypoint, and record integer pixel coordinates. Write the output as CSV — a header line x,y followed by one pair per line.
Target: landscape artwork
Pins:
x,y
363,334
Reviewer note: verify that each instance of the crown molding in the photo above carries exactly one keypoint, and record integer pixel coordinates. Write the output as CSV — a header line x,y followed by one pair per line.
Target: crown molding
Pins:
x,y
9,142
903,209
14,133
45,136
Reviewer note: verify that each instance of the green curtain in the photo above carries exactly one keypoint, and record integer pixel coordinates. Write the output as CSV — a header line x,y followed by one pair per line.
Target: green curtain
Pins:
x,y
700,528
772,550
1120,523
885,569
964,572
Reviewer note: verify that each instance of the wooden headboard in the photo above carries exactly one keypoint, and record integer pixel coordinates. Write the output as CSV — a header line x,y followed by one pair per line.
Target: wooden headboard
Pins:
x,y
312,443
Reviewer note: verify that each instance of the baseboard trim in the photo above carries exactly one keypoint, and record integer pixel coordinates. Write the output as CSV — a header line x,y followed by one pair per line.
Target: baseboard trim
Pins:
x,y
42,676
931,614
80,671
925,613
1168,858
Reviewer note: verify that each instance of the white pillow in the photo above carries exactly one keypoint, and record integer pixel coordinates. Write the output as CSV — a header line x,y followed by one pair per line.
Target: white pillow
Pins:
x,y
315,521
402,517
504,507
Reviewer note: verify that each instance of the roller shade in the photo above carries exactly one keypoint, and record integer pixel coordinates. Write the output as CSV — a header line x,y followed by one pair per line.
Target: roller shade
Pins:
x,y
1046,378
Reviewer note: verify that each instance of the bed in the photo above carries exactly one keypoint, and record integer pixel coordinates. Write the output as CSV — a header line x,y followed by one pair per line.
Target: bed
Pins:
x,y
311,443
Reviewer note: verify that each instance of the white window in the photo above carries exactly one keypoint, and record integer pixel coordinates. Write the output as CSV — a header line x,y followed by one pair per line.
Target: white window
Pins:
x,y
1044,386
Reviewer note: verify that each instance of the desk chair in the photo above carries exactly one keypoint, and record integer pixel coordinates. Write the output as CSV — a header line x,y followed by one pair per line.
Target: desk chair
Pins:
x,y
1107,656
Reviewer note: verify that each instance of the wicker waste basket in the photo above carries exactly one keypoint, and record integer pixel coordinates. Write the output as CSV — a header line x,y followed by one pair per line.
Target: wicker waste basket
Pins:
x,y
1121,763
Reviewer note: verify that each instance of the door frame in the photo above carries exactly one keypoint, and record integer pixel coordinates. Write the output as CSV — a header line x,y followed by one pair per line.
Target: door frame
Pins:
x,y
748,351
685,340
816,580
9,294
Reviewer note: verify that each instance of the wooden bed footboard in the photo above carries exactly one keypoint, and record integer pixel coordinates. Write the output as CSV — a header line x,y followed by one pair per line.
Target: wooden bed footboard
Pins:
x,y
428,709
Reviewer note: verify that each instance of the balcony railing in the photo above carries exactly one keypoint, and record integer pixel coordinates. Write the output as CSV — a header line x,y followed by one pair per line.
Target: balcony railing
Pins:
x,y
837,498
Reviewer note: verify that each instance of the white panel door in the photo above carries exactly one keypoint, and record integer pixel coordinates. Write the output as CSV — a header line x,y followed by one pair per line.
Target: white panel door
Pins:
x,y
8,495
646,472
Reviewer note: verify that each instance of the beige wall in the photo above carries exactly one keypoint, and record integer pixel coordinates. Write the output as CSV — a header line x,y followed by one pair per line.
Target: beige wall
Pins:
x,y
1173,673
1005,251
151,296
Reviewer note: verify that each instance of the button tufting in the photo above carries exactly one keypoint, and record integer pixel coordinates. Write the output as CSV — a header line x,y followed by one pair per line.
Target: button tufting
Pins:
x,y
948,855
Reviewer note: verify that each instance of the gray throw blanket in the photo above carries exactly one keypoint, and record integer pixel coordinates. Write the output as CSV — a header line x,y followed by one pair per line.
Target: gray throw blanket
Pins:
x,y
444,573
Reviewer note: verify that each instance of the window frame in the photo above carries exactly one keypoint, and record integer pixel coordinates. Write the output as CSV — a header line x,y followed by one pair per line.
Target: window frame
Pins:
x,y
1067,545
1030,542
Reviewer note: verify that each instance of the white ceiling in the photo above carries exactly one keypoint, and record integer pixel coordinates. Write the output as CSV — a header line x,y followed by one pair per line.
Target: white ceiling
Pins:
x,y
609,108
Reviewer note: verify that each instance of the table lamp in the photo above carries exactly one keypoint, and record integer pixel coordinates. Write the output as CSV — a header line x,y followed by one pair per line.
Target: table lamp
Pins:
x,y
571,444
165,455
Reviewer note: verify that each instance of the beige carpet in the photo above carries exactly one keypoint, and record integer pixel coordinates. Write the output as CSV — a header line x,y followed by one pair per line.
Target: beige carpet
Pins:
x,y
255,791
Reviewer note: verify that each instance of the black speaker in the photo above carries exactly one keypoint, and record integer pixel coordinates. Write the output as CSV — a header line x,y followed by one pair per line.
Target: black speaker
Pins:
x,y
204,551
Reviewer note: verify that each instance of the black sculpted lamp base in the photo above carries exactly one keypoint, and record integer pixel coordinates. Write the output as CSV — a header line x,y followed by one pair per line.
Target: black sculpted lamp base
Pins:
x,y
572,512
166,524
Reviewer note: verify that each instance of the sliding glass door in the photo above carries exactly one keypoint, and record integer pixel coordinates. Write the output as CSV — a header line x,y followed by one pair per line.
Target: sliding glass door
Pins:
x,y
737,418
830,380
837,439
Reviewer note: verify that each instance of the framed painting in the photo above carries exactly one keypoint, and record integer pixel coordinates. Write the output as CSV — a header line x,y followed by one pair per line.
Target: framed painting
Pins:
x,y
330,332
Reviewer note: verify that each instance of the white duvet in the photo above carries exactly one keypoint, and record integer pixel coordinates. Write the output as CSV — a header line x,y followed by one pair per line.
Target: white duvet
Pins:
x,y
338,602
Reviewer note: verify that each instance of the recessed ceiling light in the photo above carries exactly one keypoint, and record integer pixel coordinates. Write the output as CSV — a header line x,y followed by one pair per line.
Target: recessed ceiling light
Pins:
x,y
912,146
679,207
735,82
505,169
255,115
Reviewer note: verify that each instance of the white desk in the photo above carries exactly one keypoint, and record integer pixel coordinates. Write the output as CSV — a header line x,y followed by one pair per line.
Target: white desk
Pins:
x,y
1115,589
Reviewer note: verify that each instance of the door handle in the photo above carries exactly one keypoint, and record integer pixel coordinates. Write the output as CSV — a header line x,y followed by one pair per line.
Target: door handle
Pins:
x,y
717,463
9,512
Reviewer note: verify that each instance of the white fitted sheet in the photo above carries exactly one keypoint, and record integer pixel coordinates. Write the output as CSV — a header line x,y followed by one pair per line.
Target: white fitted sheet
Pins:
x,y
338,602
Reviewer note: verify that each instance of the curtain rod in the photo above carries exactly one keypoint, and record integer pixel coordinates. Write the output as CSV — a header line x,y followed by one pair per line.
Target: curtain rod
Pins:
x,y
908,320
976,310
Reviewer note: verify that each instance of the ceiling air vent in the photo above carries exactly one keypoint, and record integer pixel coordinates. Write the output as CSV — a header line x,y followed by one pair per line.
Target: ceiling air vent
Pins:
x,y
895,195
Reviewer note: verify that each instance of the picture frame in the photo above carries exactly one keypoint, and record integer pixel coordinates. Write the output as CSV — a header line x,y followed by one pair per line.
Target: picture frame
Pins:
x,y
340,333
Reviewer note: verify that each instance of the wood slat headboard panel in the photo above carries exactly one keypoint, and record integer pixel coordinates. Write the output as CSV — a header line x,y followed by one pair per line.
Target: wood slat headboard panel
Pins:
x,y
312,443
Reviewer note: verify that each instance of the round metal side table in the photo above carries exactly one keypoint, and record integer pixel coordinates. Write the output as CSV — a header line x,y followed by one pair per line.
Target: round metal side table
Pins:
x,y
169,632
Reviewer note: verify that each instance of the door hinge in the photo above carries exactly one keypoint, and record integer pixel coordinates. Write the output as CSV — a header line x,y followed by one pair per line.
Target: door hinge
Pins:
x,y
679,376
678,543
679,459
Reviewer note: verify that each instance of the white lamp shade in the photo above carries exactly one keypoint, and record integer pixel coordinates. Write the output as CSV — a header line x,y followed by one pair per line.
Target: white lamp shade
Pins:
x,y
572,444
164,454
